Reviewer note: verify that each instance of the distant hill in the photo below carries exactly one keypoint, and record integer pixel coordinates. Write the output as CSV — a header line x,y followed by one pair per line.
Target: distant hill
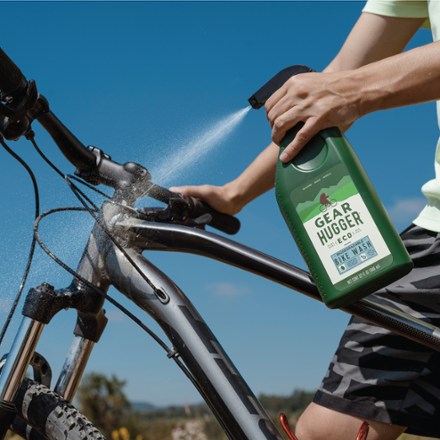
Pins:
x,y
143,406
293,403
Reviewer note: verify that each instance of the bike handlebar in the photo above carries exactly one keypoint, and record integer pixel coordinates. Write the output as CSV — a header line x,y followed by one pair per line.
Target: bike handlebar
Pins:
x,y
27,105
72,148
91,163
12,80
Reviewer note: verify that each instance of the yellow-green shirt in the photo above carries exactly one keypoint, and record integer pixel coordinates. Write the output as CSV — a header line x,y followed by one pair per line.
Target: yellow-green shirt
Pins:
x,y
429,218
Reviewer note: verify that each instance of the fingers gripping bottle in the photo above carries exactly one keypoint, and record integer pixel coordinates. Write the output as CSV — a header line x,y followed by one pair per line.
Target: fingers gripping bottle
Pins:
x,y
334,214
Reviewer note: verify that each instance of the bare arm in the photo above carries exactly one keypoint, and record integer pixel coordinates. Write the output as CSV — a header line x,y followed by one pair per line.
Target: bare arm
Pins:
x,y
255,180
368,74
372,38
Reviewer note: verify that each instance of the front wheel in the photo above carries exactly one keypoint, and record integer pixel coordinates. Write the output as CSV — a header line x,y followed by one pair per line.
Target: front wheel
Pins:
x,y
46,416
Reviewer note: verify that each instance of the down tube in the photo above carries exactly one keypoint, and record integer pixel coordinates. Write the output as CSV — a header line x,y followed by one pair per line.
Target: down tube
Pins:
x,y
224,390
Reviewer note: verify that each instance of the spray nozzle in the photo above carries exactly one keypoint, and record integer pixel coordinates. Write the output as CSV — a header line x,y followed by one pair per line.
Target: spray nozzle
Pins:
x,y
259,98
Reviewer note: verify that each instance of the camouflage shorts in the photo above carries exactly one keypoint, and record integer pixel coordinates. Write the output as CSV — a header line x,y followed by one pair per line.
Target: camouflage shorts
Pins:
x,y
378,375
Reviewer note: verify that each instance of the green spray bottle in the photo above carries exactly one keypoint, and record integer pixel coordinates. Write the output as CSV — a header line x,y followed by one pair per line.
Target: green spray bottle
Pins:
x,y
334,214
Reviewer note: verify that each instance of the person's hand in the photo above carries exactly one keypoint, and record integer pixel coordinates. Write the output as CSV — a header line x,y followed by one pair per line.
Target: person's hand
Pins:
x,y
221,198
319,100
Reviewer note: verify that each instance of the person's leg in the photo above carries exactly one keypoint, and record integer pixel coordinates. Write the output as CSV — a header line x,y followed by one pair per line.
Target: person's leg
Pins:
x,y
319,423
378,376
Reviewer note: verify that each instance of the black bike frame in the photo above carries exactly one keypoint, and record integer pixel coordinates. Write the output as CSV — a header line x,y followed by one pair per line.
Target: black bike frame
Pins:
x,y
103,264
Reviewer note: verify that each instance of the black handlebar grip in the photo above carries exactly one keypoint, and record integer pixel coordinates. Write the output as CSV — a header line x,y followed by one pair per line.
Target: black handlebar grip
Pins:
x,y
11,78
222,222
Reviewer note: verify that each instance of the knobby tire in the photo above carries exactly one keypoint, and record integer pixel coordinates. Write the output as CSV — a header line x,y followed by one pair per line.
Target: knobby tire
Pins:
x,y
44,415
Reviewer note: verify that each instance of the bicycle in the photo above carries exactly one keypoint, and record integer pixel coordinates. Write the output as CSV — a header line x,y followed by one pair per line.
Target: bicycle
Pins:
x,y
325,203
113,256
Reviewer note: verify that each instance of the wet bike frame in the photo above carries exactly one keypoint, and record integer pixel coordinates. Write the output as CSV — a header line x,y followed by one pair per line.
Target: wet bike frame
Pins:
x,y
103,264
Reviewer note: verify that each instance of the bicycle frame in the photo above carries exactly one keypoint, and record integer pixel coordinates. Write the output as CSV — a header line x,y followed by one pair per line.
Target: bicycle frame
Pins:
x,y
104,264
113,256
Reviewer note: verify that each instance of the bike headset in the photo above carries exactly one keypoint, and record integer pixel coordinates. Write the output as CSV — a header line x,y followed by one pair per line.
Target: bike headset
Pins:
x,y
20,105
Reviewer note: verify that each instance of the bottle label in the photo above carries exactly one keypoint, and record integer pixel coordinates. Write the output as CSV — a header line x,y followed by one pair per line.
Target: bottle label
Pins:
x,y
340,226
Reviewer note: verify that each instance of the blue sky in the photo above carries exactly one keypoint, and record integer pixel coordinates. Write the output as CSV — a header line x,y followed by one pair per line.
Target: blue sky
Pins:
x,y
146,80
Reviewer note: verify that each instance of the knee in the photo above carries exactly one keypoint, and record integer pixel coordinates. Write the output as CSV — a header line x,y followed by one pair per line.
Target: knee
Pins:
x,y
318,423
304,430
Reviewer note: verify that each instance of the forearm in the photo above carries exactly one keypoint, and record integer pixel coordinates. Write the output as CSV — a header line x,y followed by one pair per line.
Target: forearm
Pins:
x,y
256,179
359,81
373,38
362,84
408,78
378,73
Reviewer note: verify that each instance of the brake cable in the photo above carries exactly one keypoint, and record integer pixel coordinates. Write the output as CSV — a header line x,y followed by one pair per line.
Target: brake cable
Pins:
x,y
33,242
82,197
96,289
92,210
88,185
171,352
21,125
36,239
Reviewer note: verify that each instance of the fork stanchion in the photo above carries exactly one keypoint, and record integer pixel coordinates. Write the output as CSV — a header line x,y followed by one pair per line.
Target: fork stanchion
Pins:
x,y
19,358
15,368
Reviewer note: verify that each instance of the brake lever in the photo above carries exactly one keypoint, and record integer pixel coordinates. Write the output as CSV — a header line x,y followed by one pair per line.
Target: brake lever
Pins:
x,y
167,215
17,115
181,208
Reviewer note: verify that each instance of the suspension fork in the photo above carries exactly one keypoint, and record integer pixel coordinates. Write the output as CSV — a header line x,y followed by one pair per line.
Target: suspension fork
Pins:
x,y
15,368
19,357
74,367
41,304
22,349
89,328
